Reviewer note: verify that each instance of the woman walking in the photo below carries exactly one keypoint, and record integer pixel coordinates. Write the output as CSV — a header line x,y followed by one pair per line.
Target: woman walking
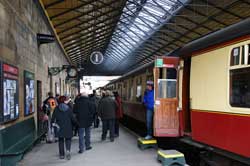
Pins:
x,y
119,113
63,117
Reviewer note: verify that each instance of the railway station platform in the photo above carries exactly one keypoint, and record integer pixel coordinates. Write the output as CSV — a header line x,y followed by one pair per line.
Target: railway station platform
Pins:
x,y
123,151
190,58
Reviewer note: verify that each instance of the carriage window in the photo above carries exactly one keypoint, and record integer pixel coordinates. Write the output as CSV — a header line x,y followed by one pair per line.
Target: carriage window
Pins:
x,y
138,93
235,56
240,87
243,55
167,86
124,91
150,77
248,55
131,93
131,90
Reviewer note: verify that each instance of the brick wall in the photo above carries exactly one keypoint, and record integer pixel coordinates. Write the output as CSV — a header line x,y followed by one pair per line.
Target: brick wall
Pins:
x,y
20,21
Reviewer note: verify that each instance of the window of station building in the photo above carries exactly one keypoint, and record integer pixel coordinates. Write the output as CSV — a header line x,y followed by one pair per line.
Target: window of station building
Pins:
x,y
239,84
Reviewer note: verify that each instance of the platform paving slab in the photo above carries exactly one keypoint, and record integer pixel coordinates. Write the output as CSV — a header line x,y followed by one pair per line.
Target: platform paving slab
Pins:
x,y
122,152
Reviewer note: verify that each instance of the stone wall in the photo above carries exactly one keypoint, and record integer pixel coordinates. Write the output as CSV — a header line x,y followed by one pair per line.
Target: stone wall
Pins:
x,y
20,21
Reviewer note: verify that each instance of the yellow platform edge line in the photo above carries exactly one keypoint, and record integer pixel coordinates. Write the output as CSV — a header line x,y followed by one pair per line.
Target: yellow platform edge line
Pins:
x,y
170,155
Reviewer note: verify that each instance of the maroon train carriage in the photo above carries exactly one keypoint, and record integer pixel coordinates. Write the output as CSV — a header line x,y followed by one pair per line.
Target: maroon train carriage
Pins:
x,y
201,91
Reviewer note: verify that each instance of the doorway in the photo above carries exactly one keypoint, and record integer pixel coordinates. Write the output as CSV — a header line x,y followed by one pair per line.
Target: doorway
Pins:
x,y
39,107
166,117
186,97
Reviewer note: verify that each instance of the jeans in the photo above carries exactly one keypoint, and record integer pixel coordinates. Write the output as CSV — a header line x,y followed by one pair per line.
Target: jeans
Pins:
x,y
96,121
149,116
56,132
61,145
84,138
108,124
117,127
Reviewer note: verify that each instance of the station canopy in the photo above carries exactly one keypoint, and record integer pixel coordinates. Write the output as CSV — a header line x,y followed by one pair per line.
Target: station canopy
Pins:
x,y
130,33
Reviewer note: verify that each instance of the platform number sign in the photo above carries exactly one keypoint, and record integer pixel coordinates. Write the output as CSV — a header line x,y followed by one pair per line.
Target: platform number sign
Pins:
x,y
9,93
159,63
96,58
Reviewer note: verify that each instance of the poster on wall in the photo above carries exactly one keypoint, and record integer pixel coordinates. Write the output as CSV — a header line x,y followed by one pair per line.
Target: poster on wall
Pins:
x,y
9,93
29,92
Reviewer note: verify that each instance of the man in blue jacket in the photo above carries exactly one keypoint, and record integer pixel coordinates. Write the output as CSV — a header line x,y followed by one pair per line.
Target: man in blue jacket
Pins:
x,y
148,101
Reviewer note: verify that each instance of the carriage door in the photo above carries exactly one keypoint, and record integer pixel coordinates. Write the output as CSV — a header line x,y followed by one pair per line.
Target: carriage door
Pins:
x,y
166,117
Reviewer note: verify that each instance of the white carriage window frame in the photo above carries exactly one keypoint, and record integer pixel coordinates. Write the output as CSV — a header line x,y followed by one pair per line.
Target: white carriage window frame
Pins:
x,y
139,93
167,95
244,63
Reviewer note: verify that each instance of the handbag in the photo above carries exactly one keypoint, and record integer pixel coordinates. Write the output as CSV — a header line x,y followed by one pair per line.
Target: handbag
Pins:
x,y
50,133
45,117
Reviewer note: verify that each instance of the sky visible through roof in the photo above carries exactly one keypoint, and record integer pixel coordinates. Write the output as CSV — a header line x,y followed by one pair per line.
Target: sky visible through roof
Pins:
x,y
140,19
95,82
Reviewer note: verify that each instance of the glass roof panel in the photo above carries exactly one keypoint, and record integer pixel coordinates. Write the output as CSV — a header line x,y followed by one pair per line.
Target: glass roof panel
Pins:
x,y
140,19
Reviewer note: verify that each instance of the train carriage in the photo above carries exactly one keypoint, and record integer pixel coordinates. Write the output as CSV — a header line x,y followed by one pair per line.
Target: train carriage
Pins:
x,y
201,91
220,95
216,88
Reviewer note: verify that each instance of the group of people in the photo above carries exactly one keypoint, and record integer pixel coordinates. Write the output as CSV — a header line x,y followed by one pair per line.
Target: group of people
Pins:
x,y
80,115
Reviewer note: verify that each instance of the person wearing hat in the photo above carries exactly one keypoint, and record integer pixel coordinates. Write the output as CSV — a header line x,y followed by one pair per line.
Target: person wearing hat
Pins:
x,y
63,116
148,101
69,101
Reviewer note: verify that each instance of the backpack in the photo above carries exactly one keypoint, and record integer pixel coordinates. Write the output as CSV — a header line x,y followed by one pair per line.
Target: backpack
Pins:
x,y
51,104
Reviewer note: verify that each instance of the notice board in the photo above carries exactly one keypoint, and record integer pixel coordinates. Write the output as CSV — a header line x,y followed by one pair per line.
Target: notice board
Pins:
x,y
29,93
9,92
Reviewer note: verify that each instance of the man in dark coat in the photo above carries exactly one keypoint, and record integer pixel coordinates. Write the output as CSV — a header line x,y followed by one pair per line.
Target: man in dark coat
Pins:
x,y
84,110
63,117
107,111
95,100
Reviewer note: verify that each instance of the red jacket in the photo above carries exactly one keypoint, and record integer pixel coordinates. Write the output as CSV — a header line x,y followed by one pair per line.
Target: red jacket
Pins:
x,y
119,113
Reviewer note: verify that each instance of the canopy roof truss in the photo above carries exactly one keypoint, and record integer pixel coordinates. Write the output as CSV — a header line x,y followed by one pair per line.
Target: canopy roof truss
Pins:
x,y
130,33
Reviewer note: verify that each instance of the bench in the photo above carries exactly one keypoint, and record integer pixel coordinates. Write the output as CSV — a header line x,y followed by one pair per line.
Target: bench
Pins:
x,y
16,140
